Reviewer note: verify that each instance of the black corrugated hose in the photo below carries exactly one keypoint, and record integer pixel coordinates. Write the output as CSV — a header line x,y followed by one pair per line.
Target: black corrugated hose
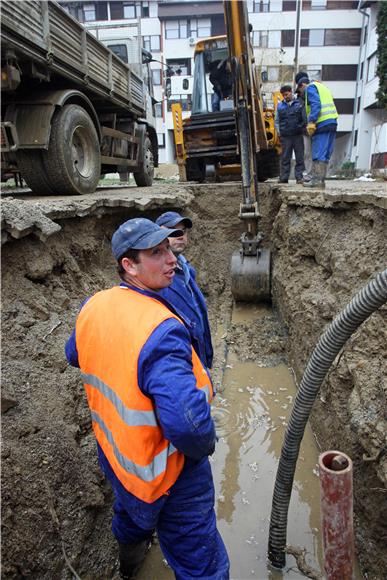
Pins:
x,y
362,305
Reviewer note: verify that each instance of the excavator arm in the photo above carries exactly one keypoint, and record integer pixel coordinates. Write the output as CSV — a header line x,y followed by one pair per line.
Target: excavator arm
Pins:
x,y
250,266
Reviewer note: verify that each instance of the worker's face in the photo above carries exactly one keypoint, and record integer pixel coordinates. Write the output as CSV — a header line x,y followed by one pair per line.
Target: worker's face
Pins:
x,y
178,245
288,96
154,270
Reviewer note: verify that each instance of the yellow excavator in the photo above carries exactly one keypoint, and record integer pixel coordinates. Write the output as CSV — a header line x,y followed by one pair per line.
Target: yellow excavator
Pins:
x,y
237,137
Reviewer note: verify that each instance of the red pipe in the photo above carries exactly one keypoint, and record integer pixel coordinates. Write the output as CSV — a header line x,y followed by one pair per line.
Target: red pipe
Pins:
x,y
337,514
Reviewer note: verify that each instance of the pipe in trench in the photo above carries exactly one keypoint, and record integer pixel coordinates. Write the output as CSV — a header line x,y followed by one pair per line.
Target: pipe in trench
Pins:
x,y
363,304
335,470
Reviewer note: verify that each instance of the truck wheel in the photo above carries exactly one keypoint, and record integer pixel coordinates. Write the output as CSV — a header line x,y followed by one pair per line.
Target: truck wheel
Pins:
x,y
144,177
30,165
73,159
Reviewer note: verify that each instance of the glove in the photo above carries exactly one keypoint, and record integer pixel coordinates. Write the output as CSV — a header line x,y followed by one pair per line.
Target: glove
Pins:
x,y
311,129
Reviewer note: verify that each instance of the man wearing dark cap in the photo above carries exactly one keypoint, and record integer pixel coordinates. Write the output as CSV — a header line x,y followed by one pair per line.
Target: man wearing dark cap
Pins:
x,y
290,124
321,125
149,397
184,293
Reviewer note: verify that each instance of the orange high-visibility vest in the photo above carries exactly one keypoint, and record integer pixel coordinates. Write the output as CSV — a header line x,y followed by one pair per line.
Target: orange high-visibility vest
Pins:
x,y
111,330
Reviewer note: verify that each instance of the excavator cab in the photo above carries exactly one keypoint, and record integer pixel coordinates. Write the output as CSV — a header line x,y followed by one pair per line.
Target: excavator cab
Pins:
x,y
208,57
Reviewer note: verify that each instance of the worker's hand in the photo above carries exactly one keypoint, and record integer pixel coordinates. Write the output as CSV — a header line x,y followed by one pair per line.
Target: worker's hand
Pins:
x,y
311,129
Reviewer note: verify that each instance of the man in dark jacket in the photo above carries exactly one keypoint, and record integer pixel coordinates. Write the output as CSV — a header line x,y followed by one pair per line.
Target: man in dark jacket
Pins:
x,y
290,123
184,293
221,79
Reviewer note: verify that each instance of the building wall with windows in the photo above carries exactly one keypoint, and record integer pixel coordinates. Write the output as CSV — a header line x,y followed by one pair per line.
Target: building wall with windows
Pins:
x,y
369,138
331,45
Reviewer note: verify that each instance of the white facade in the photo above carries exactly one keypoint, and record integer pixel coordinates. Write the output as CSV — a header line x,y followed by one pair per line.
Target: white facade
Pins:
x,y
323,51
370,123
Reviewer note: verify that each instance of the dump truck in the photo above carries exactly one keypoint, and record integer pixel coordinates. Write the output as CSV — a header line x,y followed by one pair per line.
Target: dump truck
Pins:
x,y
72,111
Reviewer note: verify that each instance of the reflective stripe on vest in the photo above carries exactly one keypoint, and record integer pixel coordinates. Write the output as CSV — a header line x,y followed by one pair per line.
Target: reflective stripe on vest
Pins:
x,y
328,109
148,472
111,330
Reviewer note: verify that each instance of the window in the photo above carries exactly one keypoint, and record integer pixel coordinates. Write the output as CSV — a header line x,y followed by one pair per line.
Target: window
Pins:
x,y
287,38
318,4
314,71
289,6
372,63
176,29
355,139
89,13
144,8
261,38
184,100
358,104
179,66
330,37
274,39
151,43
129,10
119,50
316,37
312,37
344,106
158,110
330,4
156,76
120,10
267,5
199,27
342,37
339,72
361,70
365,33
161,140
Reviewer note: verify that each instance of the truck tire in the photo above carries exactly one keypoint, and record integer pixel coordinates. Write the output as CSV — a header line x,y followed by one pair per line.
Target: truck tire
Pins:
x,y
144,177
30,165
73,159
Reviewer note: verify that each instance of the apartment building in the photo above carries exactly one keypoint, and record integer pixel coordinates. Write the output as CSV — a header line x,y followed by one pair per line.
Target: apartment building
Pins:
x,y
324,37
369,135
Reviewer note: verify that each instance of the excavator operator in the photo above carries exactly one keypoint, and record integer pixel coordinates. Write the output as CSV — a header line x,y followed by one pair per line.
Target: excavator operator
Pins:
x,y
220,78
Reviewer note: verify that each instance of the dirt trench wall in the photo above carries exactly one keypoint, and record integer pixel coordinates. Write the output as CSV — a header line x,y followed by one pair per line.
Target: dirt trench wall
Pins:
x,y
324,253
54,497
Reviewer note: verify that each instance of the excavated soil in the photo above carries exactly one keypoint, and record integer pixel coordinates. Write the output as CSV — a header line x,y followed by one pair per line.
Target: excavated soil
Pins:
x,y
56,507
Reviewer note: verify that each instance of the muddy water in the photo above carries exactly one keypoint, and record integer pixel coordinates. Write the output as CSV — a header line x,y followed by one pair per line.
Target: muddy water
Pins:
x,y
251,412
251,416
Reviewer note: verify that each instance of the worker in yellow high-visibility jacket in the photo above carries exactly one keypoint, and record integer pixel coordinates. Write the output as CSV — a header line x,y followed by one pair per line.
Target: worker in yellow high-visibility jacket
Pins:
x,y
321,125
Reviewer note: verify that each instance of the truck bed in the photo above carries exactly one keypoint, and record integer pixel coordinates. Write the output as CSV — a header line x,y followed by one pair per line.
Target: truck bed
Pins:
x,y
47,34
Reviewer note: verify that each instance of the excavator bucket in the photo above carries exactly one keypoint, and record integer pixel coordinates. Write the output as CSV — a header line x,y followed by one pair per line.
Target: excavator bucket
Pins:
x,y
250,276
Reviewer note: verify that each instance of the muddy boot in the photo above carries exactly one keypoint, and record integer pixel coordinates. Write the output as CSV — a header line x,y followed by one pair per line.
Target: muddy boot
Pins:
x,y
323,174
131,558
318,176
